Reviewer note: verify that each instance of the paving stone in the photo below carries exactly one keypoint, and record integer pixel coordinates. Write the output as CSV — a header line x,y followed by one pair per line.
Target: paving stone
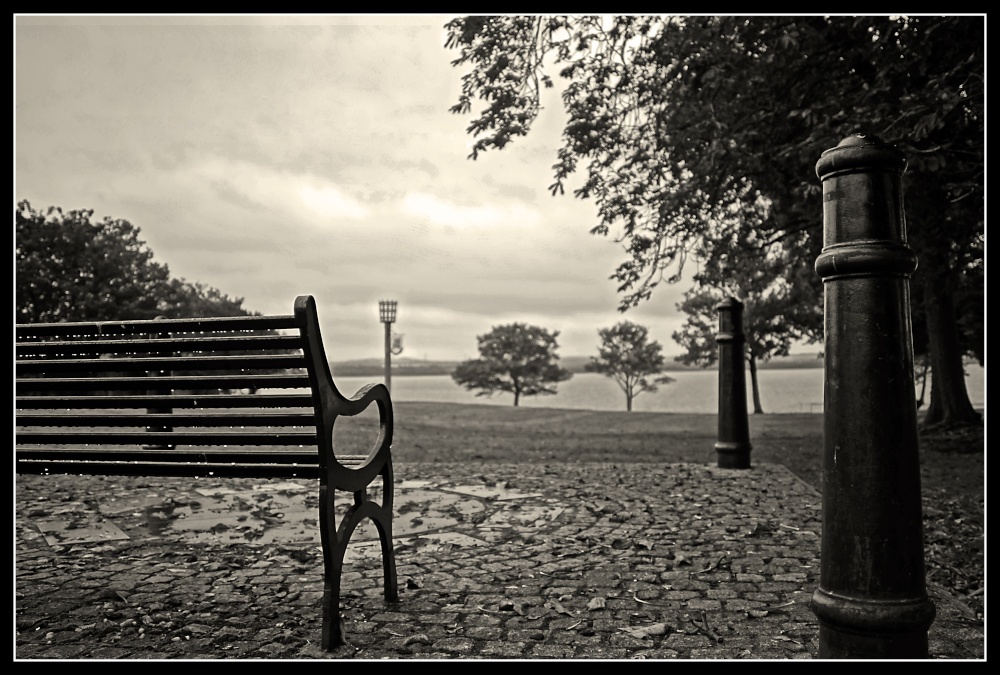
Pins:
x,y
691,562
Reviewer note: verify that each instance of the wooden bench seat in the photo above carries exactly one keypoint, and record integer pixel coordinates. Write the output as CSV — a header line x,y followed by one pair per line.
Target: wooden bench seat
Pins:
x,y
248,396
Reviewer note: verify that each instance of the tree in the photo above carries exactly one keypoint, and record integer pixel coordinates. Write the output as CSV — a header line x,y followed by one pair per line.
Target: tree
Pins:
x,y
70,267
626,356
767,335
781,303
692,126
515,358
185,298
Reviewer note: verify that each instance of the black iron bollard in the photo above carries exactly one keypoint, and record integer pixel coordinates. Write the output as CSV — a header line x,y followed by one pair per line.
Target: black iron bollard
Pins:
x,y
733,447
872,601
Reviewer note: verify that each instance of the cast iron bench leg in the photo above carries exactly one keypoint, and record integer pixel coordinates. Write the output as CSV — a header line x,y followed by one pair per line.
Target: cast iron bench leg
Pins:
x,y
335,548
384,526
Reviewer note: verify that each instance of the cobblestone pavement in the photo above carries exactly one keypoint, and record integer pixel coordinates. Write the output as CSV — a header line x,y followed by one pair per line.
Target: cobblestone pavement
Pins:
x,y
495,561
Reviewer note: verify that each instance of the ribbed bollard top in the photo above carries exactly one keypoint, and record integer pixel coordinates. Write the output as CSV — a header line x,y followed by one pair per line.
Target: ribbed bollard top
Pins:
x,y
863,236
860,152
730,321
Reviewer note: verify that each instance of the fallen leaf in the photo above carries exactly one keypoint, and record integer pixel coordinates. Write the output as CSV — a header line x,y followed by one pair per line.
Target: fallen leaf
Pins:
x,y
647,631
596,603
785,638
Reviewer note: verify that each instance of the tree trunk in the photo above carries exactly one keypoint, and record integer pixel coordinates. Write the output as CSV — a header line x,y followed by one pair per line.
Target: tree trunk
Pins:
x,y
923,384
949,404
628,401
758,409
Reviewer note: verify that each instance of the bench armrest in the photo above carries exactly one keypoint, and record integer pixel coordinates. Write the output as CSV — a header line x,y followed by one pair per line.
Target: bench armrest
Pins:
x,y
330,404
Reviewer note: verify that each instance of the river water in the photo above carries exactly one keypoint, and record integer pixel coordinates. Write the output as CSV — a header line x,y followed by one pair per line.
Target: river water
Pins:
x,y
791,390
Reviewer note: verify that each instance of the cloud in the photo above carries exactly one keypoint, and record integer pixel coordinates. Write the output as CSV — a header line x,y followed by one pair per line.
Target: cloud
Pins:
x,y
274,156
329,201
445,213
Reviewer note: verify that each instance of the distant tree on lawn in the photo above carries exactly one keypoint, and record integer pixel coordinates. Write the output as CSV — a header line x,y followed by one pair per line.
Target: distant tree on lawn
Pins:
x,y
628,357
781,306
70,267
516,358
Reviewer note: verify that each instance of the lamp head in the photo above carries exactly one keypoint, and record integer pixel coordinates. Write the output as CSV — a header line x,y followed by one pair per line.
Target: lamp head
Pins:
x,y
387,311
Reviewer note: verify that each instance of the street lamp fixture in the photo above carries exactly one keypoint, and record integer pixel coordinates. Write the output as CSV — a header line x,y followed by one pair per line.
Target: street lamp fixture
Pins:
x,y
387,311
393,344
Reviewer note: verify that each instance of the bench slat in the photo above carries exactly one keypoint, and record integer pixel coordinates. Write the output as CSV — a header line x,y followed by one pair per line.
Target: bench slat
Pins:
x,y
160,363
155,326
206,419
167,401
55,453
171,344
196,382
196,465
245,456
172,469
168,437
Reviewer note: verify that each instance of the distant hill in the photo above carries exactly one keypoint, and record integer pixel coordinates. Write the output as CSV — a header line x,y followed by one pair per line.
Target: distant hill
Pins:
x,y
400,366
403,366
577,364
812,360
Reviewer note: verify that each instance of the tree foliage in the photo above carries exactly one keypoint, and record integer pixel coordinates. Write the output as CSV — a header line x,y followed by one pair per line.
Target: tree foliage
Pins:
x,y
781,301
769,327
688,128
628,357
71,267
516,358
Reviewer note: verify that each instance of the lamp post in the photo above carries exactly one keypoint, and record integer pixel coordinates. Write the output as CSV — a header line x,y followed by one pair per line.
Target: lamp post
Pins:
x,y
387,314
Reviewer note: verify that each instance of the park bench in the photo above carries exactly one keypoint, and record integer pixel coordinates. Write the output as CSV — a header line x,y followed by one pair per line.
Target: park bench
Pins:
x,y
247,396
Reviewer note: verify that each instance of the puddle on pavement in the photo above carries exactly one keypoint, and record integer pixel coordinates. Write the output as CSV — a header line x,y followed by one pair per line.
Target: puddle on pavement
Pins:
x,y
63,532
287,512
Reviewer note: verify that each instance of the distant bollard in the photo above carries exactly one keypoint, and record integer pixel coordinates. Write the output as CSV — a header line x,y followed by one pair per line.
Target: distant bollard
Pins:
x,y
872,601
733,446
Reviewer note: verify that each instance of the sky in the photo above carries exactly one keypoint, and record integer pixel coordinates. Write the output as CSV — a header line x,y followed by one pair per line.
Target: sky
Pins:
x,y
271,157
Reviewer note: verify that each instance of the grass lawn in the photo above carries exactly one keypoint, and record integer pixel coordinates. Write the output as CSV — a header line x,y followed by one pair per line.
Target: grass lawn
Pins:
x,y
448,432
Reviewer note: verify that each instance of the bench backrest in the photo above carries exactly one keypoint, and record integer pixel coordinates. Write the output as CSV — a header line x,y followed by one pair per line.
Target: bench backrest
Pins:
x,y
236,396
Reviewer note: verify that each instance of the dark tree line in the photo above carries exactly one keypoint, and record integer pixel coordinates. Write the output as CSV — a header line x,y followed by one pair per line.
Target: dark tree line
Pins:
x,y
72,267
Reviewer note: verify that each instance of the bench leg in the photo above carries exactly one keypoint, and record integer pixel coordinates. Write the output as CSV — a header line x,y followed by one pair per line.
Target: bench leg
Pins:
x,y
333,622
335,548
384,527
333,565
